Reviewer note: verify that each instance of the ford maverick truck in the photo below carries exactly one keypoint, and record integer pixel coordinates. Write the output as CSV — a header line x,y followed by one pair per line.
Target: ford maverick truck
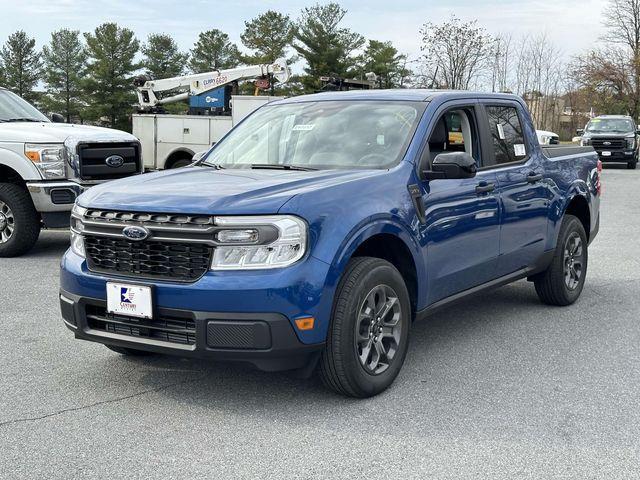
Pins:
x,y
44,166
322,226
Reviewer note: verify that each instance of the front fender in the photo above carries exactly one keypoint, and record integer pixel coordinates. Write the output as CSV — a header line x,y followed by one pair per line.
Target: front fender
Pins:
x,y
21,165
366,230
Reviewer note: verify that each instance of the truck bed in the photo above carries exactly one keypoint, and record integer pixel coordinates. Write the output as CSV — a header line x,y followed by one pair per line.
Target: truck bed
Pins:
x,y
554,151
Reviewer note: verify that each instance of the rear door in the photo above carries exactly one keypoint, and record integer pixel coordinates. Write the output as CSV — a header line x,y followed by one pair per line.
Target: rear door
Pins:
x,y
524,191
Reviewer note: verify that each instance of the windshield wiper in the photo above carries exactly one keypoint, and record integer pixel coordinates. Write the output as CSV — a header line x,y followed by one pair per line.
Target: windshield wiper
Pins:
x,y
22,120
215,166
277,166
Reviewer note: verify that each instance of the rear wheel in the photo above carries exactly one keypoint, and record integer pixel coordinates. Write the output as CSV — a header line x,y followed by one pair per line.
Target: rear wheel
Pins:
x,y
369,333
562,283
132,352
19,221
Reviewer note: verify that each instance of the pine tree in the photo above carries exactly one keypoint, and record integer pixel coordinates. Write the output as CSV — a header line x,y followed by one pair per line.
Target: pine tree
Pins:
x,y
64,65
383,59
110,69
162,58
268,35
213,51
327,48
22,65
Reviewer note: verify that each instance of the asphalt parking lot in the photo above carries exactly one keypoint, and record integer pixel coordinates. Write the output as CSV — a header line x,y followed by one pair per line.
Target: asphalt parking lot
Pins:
x,y
498,387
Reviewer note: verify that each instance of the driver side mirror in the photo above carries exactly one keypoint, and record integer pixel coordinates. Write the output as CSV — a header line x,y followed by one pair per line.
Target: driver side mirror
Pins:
x,y
57,118
451,166
580,131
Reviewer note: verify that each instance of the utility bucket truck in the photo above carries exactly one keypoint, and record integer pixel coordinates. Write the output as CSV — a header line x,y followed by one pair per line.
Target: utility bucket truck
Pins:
x,y
170,141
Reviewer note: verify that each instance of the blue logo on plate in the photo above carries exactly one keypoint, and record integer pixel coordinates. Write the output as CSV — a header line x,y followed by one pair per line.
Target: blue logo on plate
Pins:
x,y
126,295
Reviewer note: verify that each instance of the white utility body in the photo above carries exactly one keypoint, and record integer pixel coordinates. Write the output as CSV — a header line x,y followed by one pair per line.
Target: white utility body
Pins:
x,y
167,139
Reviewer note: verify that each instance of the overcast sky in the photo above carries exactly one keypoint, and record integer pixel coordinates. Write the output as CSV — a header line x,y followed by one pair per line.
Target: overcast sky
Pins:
x,y
573,25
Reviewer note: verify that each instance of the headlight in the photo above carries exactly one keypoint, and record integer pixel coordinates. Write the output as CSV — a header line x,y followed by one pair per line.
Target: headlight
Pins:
x,y
259,242
77,227
585,141
631,142
48,158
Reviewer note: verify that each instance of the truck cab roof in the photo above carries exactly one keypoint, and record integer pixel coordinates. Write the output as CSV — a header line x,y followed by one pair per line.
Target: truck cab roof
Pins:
x,y
404,94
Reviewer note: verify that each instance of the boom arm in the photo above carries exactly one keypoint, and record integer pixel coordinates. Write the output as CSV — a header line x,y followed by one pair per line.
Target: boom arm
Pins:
x,y
203,82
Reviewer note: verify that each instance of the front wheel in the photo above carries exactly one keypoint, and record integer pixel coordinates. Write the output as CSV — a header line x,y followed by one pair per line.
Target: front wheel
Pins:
x,y
562,283
369,332
19,221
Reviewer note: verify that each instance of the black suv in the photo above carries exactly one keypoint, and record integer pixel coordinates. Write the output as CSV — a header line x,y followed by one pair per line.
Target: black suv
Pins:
x,y
614,137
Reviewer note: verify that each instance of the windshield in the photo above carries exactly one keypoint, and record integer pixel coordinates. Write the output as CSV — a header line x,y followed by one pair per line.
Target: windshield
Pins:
x,y
610,125
15,109
320,135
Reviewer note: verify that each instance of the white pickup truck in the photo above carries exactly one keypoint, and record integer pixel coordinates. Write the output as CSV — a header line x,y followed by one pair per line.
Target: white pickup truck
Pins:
x,y
44,166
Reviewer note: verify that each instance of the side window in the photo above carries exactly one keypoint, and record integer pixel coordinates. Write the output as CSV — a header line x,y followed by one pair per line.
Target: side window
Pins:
x,y
455,131
506,133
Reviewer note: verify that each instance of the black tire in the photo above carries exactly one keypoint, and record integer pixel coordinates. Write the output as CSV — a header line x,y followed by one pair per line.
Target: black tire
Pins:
x,y
132,352
19,221
340,366
183,162
555,286
632,164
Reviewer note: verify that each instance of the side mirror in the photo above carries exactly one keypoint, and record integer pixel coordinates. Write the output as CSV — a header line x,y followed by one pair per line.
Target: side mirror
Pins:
x,y
57,118
580,131
638,131
450,166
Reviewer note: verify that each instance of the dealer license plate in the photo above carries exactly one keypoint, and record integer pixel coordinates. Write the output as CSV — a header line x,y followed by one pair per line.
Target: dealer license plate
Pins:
x,y
130,300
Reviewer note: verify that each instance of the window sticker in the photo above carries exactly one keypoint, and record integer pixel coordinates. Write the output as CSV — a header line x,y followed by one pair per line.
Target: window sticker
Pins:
x,y
302,128
501,134
519,150
380,139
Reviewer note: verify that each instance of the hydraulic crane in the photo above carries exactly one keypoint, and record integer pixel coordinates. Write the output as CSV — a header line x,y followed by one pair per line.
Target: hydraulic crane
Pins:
x,y
150,91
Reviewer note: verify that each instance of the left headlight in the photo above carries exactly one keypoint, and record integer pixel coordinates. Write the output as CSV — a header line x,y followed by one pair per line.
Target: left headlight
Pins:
x,y
48,158
77,227
257,242
631,141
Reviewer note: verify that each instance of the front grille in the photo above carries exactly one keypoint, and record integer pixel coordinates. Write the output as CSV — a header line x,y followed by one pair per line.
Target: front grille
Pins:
x,y
94,165
173,261
164,328
613,143
160,219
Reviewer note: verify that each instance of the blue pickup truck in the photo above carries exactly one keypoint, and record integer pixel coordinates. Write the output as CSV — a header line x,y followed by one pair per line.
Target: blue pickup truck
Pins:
x,y
320,228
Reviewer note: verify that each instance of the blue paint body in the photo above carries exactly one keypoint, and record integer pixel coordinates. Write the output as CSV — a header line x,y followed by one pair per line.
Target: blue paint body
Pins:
x,y
454,250
212,99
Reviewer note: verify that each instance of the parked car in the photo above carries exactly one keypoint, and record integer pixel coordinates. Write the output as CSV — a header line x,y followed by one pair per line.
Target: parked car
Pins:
x,y
547,138
322,226
44,166
614,137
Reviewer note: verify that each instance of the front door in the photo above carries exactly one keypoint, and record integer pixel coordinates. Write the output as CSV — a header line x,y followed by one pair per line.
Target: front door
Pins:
x,y
462,229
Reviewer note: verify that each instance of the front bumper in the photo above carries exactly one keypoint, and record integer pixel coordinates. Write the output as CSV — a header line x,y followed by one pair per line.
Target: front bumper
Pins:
x,y
54,196
616,156
265,340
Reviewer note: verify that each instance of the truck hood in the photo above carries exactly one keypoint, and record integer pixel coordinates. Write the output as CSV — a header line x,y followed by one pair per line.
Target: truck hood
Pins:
x,y
204,190
48,132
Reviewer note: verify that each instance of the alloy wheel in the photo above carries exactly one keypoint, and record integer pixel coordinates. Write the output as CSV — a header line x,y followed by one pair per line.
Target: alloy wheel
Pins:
x,y
573,261
378,329
7,222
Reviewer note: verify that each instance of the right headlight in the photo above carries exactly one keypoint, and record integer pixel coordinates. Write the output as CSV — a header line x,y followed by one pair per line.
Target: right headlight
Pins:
x,y
48,158
77,227
257,242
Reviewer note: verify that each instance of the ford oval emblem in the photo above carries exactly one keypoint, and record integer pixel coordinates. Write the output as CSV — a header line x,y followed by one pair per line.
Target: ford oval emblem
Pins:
x,y
135,233
114,161
606,143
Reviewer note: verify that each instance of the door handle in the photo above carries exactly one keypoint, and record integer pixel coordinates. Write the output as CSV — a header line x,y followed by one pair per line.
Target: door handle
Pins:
x,y
534,177
485,187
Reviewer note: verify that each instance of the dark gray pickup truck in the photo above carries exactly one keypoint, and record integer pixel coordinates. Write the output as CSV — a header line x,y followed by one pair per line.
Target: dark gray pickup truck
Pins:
x,y
614,137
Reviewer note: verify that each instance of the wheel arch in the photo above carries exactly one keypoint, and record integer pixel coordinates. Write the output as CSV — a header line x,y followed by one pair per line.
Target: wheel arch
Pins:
x,y
390,241
180,153
578,206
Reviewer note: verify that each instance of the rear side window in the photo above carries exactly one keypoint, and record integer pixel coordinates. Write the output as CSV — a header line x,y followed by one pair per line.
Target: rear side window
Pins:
x,y
506,133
